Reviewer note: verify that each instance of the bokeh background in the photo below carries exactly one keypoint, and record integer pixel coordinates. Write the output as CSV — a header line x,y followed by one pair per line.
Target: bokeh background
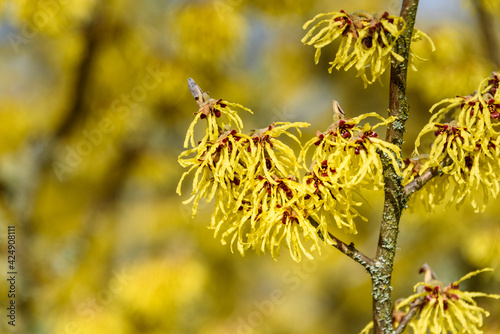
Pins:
x,y
94,108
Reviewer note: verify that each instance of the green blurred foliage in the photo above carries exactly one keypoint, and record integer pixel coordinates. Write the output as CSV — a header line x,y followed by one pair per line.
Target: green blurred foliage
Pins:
x,y
94,108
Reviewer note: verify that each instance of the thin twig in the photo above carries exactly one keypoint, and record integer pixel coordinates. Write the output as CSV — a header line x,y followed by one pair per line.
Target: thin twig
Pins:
x,y
349,250
417,304
420,181
412,312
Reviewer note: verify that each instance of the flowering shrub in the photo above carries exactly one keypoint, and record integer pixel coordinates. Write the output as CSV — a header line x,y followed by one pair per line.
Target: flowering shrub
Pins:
x,y
266,195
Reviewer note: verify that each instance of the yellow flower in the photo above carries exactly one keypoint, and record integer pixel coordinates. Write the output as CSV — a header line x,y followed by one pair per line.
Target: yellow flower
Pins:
x,y
212,110
347,154
273,157
263,216
216,164
265,208
446,308
346,158
253,179
324,200
465,150
269,215
367,40
479,111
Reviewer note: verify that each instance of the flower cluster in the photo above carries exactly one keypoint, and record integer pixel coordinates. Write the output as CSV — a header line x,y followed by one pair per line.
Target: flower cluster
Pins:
x,y
445,309
264,208
213,110
347,157
261,199
466,149
213,159
253,180
367,40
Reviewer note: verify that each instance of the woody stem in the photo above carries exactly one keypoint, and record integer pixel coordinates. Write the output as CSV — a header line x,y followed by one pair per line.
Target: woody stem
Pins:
x,y
395,201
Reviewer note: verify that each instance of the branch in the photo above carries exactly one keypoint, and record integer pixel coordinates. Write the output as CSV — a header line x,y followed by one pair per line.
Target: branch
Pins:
x,y
394,191
417,304
405,320
420,181
398,105
349,250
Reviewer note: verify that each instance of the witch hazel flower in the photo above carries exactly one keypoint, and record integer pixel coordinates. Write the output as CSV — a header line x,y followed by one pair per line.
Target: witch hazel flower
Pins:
x,y
445,308
217,164
346,158
252,178
465,149
219,115
270,216
349,155
267,211
479,111
367,41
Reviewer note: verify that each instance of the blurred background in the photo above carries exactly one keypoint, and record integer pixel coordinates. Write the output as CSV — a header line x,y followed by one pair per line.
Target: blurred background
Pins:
x,y
94,108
